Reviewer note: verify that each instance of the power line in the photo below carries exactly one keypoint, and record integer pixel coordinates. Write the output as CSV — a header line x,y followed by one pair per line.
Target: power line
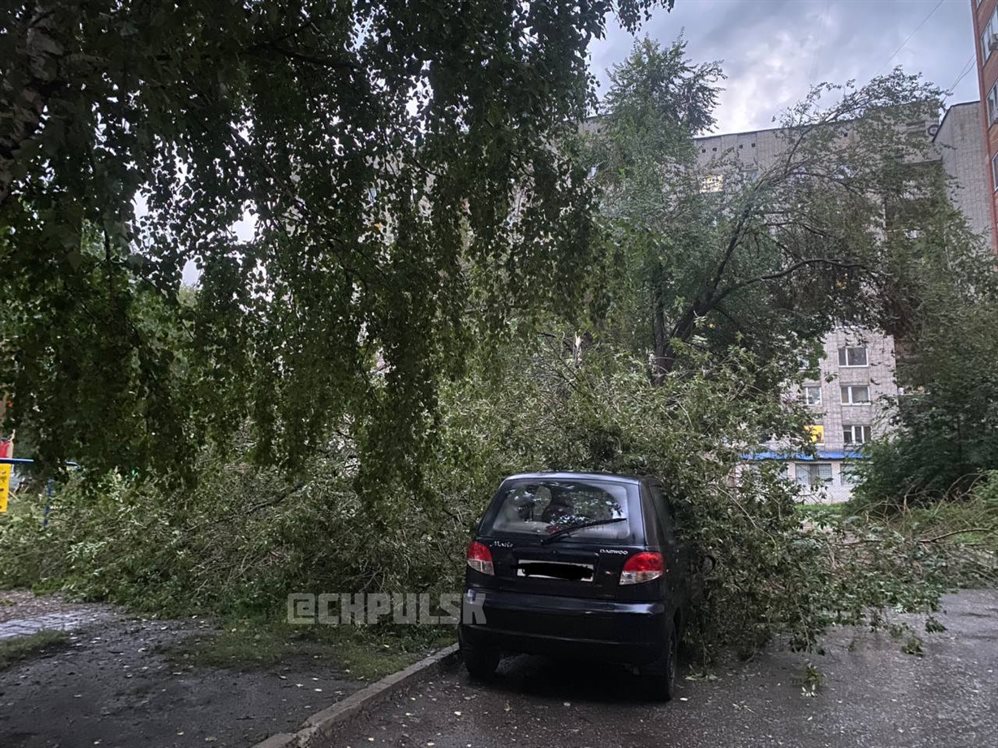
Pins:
x,y
968,66
914,31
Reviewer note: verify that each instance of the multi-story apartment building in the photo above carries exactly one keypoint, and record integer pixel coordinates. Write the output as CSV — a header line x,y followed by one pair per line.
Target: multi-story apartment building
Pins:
x,y
849,396
850,392
985,15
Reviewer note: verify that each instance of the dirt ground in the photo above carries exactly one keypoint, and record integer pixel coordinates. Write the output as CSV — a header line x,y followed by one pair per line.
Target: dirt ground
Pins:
x,y
113,684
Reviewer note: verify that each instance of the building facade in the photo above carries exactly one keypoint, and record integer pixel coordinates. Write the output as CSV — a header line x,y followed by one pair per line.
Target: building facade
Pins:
x,y
849,392
854,384
850,395
985,15
966,162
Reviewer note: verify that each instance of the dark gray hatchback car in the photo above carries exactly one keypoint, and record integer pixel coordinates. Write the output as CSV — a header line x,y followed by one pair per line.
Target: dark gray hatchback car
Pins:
x,y
584,565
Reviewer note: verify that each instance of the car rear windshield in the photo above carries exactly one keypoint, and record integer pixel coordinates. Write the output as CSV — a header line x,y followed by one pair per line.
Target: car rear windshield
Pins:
x,y
542,507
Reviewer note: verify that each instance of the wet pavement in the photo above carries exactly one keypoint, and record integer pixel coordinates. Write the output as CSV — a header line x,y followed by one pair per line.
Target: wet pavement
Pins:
x,y
112,683
20,610
872,695
68,621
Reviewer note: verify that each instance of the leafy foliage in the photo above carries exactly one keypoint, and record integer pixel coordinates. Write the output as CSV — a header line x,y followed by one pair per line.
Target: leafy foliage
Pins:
x,y
728,250
946,423
88,345
239,542
246,538
340,339
398,162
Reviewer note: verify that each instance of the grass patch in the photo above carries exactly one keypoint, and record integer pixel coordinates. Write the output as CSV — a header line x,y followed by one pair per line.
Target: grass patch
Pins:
x,y
362,653
822,513
23,647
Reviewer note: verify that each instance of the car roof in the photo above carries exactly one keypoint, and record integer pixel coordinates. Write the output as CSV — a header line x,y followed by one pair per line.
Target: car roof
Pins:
x,y
612,477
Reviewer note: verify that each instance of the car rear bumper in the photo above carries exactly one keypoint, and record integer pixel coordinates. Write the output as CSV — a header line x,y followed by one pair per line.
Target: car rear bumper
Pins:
x,y
632,633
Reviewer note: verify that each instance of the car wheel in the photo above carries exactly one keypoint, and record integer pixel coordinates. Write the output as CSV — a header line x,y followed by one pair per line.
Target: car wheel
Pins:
x,y
663,674
481,662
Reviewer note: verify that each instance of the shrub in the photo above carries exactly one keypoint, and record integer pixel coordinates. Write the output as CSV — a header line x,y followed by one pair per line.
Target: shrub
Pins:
x,y
237,543
245,537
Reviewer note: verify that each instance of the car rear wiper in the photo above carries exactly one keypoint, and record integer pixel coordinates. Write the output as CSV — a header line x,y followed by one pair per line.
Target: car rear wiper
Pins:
x,y
572,528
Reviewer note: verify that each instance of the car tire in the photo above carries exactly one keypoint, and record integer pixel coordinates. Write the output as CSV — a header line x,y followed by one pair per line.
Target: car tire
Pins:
x,y
481,662
662,675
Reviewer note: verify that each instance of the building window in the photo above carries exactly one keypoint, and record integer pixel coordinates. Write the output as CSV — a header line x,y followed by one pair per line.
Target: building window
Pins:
x,y
812,394
994,171
988,44
993,104
853,356
809,365
814,474
852,435
855,394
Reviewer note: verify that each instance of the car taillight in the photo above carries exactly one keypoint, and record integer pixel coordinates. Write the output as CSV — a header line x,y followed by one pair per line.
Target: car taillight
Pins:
x,y
642,567
480,558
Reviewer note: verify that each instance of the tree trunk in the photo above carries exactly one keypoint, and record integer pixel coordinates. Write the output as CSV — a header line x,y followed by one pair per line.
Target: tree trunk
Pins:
x,y
660,336
665,355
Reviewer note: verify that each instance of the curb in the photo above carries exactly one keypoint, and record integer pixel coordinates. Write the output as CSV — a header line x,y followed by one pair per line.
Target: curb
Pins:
x,y
320,726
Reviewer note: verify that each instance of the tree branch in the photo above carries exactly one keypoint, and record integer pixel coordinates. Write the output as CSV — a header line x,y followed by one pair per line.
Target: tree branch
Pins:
x,y
784,273
987,530
331,63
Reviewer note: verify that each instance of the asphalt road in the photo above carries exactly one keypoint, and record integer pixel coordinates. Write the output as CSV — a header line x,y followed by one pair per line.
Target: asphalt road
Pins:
x,y
112,685
872,695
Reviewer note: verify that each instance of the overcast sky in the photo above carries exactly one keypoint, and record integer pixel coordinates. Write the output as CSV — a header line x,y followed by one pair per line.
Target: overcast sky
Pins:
x,y
772,50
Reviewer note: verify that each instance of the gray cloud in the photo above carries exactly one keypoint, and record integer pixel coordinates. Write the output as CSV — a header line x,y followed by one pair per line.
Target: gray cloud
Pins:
x,y
773,50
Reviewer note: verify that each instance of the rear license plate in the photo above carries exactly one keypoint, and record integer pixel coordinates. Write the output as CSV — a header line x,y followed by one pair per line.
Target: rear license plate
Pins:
x,y
555,570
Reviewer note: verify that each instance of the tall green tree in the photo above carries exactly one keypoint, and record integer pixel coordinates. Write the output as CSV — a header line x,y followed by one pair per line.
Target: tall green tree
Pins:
x,y
725,249
399,161
946,421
